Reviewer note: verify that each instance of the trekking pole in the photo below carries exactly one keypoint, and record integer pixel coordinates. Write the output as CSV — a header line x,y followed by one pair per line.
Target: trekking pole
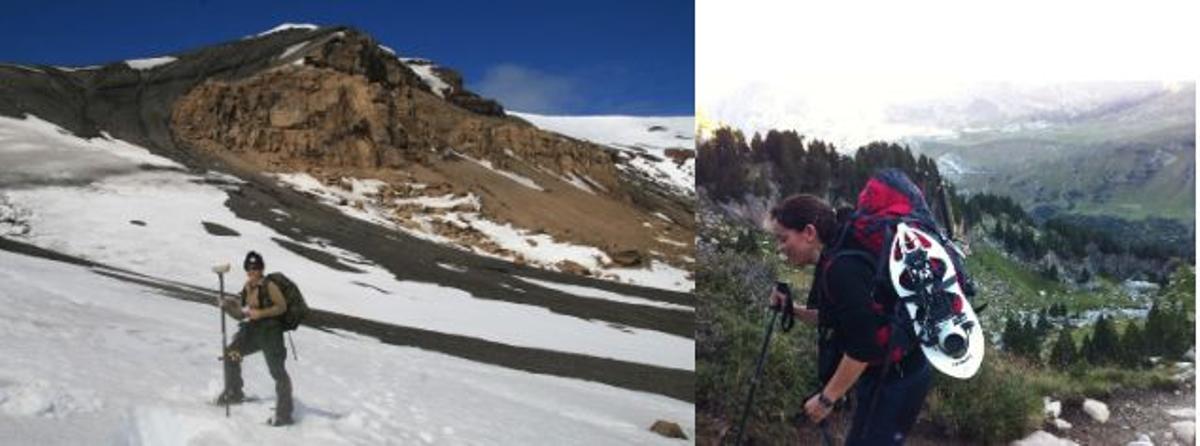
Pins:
x,y
762,355
221,270
826,440
290,341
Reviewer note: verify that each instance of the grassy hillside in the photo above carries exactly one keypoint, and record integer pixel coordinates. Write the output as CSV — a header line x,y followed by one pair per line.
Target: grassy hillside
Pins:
x,y
1133,162
1007,285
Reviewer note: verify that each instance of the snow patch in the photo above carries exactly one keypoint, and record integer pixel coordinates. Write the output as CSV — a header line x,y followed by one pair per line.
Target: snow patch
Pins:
x,y
34,150
86,68
677,131
42,399
424,69
146,64
448,201
452,267
659,275
602,294
522,180
579,183
545,250
287,26
23,67
643,142
292,50
222,177
671,242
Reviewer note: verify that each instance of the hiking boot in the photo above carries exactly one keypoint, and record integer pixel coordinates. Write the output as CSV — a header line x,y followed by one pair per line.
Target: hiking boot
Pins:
x,y
228,397
277,422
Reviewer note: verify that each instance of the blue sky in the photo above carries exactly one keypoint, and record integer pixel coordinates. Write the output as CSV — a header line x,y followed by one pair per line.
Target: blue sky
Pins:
x,y
554,57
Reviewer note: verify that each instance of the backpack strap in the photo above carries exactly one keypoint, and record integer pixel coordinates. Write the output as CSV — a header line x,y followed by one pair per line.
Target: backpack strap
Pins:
x,y
264,293
828,265
264,297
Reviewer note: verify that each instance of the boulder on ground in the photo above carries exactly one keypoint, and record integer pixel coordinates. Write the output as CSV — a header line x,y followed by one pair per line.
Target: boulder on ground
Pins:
x,y
1053,409
1142,440
1095,409
1043,438
1185,431
1062,425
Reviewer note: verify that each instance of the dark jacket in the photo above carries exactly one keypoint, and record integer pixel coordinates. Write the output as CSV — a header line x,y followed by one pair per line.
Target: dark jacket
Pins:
x,y
854,309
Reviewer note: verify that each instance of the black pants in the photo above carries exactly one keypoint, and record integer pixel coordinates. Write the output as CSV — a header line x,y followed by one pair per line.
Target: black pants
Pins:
x,y
267,336
901,395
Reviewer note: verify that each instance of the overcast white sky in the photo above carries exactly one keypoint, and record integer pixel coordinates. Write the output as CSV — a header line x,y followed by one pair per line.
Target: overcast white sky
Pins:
x,y
837,65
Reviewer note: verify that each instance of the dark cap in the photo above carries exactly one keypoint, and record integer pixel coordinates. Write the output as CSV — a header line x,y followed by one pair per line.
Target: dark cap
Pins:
x,y
253,261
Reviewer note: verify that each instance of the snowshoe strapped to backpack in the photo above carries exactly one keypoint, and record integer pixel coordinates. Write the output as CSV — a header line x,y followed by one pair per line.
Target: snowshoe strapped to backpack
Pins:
x,y
894,230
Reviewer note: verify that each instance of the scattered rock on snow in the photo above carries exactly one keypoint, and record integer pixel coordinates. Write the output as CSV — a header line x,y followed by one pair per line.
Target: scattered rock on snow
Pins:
x,y
1095,409
668,429
219,230
570,267
1043,438
627,258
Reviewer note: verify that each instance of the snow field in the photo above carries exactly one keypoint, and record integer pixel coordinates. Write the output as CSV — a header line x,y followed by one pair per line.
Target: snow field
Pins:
x,y
173,245
90,357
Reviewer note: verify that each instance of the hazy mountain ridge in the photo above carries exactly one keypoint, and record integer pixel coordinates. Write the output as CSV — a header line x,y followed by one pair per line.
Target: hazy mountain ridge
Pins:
x,y
1132,157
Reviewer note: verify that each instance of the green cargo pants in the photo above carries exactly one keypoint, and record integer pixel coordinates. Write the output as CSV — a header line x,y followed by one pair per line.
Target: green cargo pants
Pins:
x,y
265,335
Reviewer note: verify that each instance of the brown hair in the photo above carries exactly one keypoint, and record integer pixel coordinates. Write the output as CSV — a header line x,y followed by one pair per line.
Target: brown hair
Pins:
x,y
800,210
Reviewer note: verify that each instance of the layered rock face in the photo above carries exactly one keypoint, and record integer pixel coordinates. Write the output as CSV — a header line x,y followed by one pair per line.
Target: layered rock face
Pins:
x,y
351,104
339,105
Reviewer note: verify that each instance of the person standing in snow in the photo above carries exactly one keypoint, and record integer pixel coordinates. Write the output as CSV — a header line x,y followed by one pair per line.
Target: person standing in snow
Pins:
x,y
261,304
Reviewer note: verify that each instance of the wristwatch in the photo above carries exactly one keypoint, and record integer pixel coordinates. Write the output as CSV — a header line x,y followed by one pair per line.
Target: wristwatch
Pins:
x,y
825,402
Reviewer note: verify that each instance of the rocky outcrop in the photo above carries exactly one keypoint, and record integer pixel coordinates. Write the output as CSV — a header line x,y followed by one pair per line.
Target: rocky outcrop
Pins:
x,y
353,53
462,97
352,104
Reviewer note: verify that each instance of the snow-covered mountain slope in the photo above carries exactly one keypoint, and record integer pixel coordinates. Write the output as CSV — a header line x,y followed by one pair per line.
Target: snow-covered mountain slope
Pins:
x,y
361,199
90,359
644,139
145,213
410,342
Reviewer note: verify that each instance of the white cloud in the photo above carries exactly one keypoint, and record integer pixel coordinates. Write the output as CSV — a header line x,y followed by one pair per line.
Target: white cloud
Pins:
x,y
528,90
